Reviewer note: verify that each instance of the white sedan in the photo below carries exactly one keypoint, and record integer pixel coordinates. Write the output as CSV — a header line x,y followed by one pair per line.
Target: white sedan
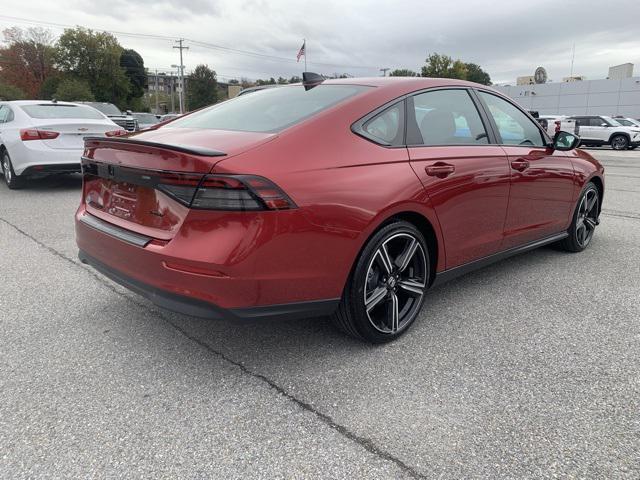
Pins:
x,y
45,137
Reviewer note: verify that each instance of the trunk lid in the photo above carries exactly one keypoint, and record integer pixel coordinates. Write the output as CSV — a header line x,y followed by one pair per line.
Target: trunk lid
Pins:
x,y
72,134
125,179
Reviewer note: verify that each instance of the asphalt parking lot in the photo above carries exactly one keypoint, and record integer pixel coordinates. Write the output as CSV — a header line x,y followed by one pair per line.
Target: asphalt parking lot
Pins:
x,y
527,369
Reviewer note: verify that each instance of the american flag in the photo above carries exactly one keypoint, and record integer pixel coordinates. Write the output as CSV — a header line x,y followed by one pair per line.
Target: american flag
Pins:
x,y
301,52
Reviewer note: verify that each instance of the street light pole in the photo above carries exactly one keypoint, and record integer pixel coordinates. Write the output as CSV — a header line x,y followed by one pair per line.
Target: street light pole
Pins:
x,y
181,82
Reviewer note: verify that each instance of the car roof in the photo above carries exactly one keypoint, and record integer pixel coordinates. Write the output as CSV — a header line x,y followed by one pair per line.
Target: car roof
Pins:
x,y
37,102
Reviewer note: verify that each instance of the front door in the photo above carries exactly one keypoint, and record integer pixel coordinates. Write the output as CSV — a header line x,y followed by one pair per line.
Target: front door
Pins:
x,y
541,197
466,178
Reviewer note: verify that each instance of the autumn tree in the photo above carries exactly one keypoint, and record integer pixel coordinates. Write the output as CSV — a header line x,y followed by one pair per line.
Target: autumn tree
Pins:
x,y
27,59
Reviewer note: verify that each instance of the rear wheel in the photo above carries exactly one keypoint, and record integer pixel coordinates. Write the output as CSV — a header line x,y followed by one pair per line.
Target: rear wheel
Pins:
x,y
619,142
10,177
386,289
585,220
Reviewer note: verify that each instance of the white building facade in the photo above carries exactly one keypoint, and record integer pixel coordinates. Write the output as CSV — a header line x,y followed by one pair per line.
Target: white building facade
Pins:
x,y
588,97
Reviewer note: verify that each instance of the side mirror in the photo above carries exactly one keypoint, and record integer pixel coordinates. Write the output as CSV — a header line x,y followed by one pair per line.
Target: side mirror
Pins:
x,y
564,141
129,112
604,124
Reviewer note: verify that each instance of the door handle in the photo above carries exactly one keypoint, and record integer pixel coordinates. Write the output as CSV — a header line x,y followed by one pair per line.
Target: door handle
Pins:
x,y
520,164
440,170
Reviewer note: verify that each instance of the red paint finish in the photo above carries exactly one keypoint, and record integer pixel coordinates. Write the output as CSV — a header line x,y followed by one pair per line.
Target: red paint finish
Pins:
x,y
471,201
344,186
542,195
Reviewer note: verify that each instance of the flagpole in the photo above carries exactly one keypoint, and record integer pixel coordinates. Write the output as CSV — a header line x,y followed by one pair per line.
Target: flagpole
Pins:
x,y
304,42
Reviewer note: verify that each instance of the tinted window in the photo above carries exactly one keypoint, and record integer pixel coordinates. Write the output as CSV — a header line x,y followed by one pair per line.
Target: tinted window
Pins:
x,y
596,122
106,108
447,117
268,110
61,111
387,126
3,113
146,118
514,126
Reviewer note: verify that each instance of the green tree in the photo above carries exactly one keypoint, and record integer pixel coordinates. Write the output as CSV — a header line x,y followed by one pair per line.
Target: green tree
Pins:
x,y
477,74
202,87
282,80
11,92
94,57
49,87
74,90
133,65
443,66
403,72
295,79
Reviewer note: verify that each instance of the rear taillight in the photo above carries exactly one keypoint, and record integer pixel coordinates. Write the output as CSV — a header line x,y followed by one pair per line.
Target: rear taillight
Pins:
x,y
34,134
116,133
557,122
228,192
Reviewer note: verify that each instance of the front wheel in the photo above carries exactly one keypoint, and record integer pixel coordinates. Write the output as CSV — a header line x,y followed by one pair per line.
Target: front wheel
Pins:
x,y
386,289
619,142
585,220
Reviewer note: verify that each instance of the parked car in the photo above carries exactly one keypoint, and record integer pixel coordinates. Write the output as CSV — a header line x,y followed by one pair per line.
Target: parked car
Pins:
x,y
145,120
598,130
627,122
169,116
125,119
331,198
42,137
551,123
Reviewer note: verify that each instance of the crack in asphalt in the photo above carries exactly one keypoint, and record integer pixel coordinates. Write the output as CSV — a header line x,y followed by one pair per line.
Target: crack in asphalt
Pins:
x,y
620,214
363,442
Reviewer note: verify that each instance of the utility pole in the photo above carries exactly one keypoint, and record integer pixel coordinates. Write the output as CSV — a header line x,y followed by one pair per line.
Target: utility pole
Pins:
x,y
384,71
157,105
573,57
181,81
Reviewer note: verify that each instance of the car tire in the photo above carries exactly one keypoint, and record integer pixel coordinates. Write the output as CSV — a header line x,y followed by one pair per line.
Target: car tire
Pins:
x,y
11,179
633,147
386,289
619,142
585,220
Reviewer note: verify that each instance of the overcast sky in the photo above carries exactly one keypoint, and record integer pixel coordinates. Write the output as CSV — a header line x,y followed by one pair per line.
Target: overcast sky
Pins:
x,y
508,38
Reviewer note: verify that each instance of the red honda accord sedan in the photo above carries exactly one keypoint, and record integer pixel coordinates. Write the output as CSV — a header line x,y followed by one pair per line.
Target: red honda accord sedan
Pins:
x,y
347,198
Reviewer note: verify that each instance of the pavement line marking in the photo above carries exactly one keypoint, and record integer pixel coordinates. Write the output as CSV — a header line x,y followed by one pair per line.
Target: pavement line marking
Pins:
x,y
364,442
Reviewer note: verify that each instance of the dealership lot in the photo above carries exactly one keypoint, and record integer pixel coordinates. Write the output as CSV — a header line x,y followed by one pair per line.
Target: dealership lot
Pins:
x,y
529,368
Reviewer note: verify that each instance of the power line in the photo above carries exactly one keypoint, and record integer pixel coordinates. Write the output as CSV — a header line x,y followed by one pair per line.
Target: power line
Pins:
x,y
199,43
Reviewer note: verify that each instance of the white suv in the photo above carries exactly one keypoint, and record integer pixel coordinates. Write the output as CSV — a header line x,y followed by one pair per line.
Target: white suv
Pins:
x,y
597,130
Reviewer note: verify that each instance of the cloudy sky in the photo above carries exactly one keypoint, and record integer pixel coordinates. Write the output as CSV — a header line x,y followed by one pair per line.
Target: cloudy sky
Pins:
x,y
260,38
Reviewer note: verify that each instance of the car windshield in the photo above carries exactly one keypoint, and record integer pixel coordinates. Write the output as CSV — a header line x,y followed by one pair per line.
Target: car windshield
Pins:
x,y
146,117
51,110
106,108
268,110
612,122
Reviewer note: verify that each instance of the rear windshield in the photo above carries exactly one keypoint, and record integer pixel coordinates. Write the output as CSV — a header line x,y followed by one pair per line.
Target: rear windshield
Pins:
x,y
61,111
268,110
106,108
146,117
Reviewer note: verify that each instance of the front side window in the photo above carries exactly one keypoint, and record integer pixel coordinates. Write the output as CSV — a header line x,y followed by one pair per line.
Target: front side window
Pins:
x,y
269,110
514,127
446,117
386,127
3,113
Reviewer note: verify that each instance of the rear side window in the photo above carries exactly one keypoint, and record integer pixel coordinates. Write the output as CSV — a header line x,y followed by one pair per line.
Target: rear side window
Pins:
x,y
446,117
268,110
45,111
514,127
387,127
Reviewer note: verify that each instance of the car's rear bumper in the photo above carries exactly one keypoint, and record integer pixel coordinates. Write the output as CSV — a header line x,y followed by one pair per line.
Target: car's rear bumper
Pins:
x,y
199,308
48,169
39,159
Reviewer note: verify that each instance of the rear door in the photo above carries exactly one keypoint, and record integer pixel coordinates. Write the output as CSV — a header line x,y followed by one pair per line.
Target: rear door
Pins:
x,y
466,177
541,195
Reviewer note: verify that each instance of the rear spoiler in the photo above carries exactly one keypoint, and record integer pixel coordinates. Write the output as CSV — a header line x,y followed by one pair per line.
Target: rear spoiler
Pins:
x,y
193,150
